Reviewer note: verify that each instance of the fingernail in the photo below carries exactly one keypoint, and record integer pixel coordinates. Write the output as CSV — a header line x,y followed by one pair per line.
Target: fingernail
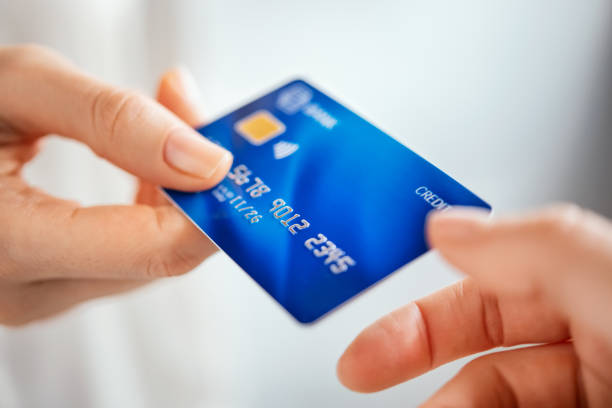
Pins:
x,y
458,224
191,153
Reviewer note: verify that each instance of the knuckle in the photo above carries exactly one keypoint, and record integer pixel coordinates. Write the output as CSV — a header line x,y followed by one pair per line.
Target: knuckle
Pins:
x,y
23,54
486,367
110,109
157,267
173,259
492,320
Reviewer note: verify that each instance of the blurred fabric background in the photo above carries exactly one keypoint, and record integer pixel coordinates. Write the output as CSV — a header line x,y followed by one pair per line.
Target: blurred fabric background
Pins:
x,y
513,98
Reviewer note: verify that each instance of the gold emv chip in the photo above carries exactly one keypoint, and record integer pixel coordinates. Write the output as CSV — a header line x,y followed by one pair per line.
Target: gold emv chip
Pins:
x,y
259,127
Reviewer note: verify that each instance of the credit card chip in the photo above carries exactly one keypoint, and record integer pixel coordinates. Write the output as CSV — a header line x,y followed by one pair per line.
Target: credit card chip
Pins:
x,y
259,127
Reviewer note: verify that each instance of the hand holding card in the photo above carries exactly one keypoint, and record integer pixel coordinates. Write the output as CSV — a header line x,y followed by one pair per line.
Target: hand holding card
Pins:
x,y
56,253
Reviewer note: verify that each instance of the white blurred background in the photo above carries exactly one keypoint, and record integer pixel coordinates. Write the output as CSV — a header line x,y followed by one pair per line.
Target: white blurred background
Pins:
x,y
513,98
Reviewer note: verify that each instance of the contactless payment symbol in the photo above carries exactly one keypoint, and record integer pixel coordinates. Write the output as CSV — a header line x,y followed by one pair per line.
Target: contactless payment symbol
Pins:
x,y
259,127
284,149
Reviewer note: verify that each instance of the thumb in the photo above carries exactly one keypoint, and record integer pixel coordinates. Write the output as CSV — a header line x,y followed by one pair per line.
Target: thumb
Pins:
x,y
179,93
563,253
43,93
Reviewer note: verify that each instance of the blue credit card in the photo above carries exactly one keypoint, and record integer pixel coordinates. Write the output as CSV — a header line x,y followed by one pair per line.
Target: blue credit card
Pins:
x,y
319,204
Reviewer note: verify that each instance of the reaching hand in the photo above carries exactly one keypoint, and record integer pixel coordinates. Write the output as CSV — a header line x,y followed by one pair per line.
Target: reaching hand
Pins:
x,y
543,278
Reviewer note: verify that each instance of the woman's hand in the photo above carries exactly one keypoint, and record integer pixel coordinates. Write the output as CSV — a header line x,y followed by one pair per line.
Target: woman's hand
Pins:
x,y
55,253
543,278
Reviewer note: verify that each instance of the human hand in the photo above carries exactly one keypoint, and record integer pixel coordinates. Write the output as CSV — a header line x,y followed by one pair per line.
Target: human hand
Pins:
x,y
55,253
544,278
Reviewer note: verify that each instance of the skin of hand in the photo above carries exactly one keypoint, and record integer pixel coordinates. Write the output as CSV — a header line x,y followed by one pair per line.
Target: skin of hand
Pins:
x,y
542,279
55,253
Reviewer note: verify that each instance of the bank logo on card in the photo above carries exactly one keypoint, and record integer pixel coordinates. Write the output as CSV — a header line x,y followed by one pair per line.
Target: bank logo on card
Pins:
x,y
293,98
284,149
259,127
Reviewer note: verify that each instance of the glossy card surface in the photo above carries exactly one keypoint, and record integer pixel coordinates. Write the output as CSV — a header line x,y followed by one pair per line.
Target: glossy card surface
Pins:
x,y
319,204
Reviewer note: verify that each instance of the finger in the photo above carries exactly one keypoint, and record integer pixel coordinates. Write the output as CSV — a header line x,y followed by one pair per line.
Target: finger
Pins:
x,y
544,376
454,322
39,300
563,253
179,93
106,242
42,94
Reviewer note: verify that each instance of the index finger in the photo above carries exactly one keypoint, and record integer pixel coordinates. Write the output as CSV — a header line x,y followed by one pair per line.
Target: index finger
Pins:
x,y
452,323
50,238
